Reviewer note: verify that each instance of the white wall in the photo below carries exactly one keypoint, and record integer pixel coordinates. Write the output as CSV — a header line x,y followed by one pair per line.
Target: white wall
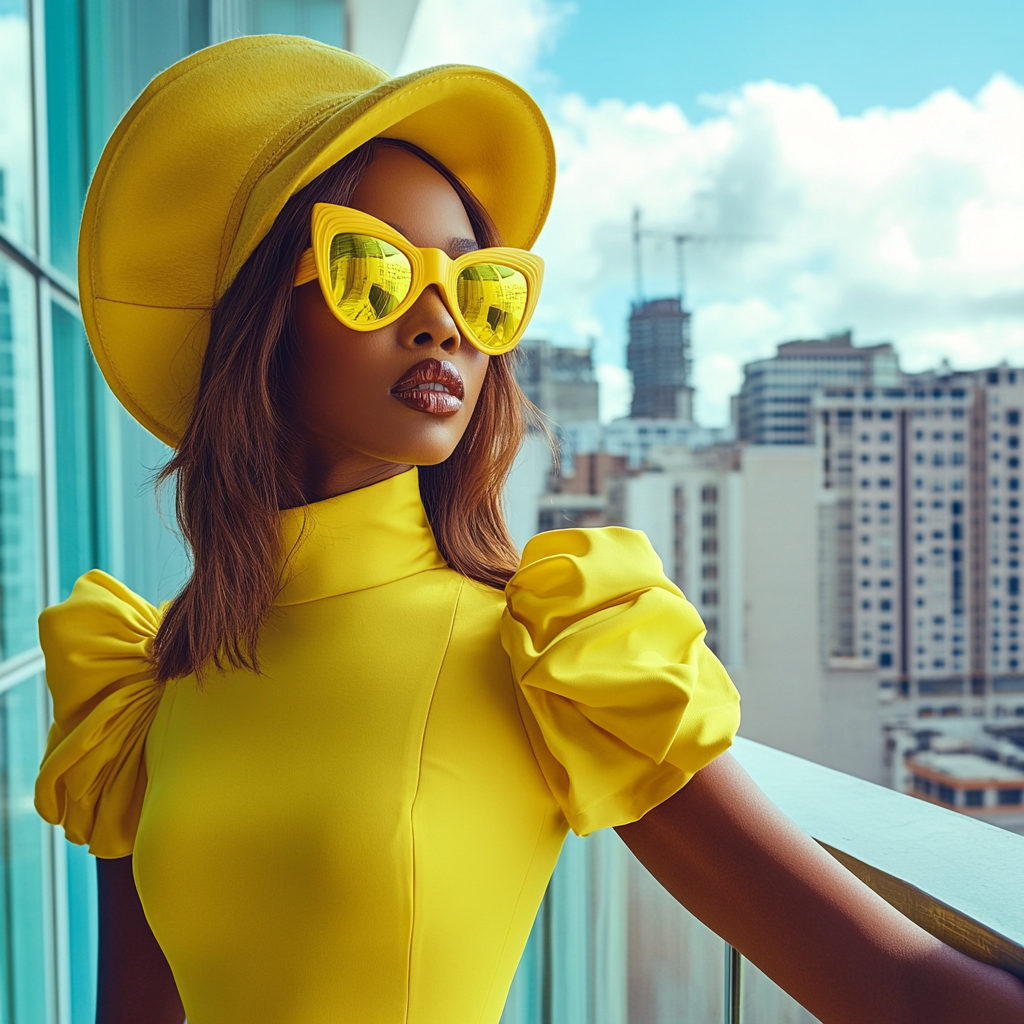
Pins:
x,y
526,483
790,700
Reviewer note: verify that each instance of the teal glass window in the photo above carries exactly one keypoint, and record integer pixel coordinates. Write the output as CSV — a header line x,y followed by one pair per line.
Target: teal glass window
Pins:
x,y
21,589
17,215
24,932
78,424
65,137
318,19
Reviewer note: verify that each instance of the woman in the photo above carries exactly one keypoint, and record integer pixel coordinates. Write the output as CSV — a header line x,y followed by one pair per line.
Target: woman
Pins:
x,y
331,780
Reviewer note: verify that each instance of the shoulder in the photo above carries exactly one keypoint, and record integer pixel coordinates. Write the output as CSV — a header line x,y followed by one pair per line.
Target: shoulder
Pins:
x,y
98,650
622,698
568,576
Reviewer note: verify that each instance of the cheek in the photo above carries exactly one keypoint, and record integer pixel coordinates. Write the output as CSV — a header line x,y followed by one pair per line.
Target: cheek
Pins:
x,y
473,367
335,369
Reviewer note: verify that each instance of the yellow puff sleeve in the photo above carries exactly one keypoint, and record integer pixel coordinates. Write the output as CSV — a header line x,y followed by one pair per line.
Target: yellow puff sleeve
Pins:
x,y
97,645
622,700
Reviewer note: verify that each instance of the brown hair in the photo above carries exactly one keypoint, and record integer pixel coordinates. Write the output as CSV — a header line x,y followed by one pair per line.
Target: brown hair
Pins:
x,y
231,469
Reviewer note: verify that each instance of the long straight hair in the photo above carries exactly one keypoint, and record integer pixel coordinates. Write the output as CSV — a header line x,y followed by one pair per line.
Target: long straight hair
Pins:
x,y
231,468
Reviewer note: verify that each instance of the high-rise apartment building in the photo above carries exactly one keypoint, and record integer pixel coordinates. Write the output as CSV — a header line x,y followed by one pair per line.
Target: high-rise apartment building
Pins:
x,y
919,513
774,404
659,358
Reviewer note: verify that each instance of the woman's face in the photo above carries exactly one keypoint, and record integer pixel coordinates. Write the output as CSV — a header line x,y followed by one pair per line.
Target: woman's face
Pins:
x,y
368,405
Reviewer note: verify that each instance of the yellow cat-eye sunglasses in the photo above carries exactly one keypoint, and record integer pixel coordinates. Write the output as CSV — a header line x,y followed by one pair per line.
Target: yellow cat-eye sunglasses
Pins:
x,y
370,274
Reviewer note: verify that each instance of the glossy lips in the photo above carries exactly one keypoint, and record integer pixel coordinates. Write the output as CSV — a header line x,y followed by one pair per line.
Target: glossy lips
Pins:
x,y
431,386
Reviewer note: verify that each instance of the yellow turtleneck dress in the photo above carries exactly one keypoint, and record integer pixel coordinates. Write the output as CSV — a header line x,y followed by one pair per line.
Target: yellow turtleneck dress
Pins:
x,y
363,833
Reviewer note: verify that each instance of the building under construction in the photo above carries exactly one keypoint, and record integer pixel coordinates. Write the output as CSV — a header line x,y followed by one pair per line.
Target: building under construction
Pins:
x,y
659,358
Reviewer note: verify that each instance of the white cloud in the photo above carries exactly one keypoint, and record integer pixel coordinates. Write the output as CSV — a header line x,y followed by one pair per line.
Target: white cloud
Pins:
x,y
902,224
507,37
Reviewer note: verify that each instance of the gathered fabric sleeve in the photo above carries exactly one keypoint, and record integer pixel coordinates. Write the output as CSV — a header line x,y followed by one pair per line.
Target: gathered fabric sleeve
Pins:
x,y
98,646
622,699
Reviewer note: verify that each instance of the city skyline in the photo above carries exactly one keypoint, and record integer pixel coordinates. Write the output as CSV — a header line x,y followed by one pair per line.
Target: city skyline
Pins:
x,y
901,221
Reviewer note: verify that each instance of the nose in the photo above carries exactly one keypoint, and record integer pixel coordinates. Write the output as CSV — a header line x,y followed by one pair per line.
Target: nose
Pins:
x,y
430,323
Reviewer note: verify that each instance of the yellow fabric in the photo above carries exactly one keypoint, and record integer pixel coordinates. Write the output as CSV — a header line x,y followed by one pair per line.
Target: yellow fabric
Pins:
x,y
364,833
625,700
97,646
198,169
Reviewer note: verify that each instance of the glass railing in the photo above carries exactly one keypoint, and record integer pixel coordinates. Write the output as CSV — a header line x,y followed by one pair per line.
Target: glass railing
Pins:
x,y
610,946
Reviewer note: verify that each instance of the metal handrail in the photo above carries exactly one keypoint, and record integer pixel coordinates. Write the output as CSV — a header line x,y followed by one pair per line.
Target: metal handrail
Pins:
x,y
733,985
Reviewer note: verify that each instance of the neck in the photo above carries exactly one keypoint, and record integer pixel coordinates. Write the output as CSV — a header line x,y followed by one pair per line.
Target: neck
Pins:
x,y
321,475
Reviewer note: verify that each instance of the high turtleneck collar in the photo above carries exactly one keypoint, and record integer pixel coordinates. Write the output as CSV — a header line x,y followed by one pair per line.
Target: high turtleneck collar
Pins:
x,y
354,541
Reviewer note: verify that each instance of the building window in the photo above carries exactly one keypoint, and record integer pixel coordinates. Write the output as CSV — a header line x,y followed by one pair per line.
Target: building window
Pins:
x,y
946,794
1010,797
974,798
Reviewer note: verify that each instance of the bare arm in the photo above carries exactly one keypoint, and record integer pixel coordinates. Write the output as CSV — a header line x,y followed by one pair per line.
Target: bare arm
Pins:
x,y
739,865
135,984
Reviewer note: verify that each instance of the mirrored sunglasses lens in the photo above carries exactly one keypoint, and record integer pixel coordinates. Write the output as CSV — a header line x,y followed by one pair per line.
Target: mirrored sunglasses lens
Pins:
x,y
492,300
369,278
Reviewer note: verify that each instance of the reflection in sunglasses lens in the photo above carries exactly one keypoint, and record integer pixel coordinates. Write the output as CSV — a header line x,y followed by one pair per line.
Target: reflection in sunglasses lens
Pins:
x,y
369,278
492,299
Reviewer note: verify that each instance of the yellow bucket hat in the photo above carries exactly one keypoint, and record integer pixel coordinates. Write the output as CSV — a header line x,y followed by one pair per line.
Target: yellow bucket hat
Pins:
x,y
199,167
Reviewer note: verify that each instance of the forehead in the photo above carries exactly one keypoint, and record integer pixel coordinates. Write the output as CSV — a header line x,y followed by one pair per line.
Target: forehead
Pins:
x,y
399,188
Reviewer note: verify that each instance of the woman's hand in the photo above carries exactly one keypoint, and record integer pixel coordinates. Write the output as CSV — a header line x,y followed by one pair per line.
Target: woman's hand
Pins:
x,y
135,984
739,865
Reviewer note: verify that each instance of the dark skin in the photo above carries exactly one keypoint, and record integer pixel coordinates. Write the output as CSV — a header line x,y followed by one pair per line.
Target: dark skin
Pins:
x,y
718,846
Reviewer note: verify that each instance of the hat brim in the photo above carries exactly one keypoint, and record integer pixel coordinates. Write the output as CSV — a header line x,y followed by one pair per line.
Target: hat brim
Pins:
x,y
149,334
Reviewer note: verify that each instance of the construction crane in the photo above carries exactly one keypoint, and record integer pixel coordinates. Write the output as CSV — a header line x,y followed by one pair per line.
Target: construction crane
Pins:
x,y
680,239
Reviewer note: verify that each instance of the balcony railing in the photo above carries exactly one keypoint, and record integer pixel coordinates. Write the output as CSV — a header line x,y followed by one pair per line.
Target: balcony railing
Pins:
x,y
611,947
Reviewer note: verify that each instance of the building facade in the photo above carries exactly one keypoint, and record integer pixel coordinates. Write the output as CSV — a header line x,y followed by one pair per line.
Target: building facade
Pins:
x,y
659,358
774,403
558,380
920,540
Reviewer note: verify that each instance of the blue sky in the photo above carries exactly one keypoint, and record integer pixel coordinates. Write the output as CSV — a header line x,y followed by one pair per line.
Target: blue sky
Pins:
x,y
892,53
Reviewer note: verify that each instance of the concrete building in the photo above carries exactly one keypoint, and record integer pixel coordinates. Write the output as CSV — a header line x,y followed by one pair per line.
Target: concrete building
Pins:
x,y
774,404
972,767
659,358
635,439
558,380
919,517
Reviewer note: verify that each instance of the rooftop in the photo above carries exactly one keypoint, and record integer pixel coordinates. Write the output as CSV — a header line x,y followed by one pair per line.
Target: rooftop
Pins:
x,y
965,766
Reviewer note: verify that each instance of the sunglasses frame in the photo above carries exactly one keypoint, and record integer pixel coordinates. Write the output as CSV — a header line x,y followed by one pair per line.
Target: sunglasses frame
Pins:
x,y
429,267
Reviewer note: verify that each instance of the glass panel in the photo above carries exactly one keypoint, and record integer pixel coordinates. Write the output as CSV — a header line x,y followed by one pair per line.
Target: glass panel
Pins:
x,y
20,525
676,964
78,447
610,945
65,127
765,1003
83,925
16,190
318,19
24,838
